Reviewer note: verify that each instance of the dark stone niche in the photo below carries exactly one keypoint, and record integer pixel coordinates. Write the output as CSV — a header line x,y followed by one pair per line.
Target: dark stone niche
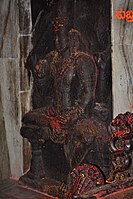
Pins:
x,y
72,93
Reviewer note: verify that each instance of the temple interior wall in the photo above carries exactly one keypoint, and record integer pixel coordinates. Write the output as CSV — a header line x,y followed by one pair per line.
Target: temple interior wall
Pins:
x,y
122,60
15,89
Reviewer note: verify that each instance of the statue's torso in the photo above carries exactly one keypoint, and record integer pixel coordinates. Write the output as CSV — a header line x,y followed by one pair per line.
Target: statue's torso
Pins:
x,y
71,78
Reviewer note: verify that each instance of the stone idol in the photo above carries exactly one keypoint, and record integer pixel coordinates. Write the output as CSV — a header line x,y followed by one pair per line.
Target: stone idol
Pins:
x,y
75,147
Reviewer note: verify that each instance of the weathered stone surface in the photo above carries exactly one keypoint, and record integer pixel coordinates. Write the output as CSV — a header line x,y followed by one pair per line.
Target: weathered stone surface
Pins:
x,y
4,154
14,47
122,60
9,29
25,100
25,46
9,83
9,80
24,16
25,26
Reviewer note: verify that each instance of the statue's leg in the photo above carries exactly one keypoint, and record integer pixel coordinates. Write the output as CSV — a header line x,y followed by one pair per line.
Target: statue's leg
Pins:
x,y
89,144
75,150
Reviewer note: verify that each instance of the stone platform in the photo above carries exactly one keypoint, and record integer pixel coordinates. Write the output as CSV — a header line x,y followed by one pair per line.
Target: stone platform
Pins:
x,y
122,190
10,189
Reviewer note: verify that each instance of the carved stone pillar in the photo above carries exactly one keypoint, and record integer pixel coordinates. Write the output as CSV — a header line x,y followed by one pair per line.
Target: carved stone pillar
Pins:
x,y
37,167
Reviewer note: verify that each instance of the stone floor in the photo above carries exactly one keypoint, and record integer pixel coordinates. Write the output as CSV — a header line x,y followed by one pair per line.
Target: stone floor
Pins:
x,y
10,189
117,190
121,194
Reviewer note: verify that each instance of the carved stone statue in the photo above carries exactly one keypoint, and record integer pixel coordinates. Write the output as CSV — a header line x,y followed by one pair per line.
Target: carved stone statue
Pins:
x,y
67,126
71,117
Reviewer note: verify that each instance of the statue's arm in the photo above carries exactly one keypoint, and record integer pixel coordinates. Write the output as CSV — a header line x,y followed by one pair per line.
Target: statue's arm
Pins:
x,y
87,72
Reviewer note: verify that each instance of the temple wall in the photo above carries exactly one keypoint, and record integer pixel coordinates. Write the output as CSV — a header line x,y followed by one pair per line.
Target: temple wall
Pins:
x,y
122,59
15,91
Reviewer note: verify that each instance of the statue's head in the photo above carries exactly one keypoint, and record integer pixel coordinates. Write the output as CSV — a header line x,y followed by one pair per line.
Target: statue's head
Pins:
x,y
61,31
66,38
